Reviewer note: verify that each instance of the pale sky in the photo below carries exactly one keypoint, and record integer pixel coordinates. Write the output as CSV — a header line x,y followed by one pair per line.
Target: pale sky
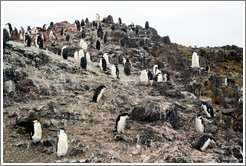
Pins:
x,y
187,23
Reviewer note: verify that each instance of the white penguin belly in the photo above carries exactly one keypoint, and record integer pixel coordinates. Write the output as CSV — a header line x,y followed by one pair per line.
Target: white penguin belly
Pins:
x,y
113,71
159,78
205,145
199,126
144,76
100,95
88,57
121,125
101,65
37,132
206,110
62,145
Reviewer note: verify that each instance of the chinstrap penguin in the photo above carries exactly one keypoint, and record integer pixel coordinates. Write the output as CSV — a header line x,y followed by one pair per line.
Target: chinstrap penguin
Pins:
x,y
98,93
115,71
36,131
103,64
199,124
202,143
121,122
208,109
83,63
62,143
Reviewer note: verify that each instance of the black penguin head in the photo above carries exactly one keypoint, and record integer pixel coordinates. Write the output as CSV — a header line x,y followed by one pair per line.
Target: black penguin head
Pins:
x,y
103,87
125,114
203,103
62,129
35,121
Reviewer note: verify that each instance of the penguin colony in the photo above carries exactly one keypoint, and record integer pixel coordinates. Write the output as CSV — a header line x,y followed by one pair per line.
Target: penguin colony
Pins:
x,y
146,76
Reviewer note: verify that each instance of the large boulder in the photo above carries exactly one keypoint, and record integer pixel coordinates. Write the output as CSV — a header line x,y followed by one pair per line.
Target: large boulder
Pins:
x,y
152,112
166,40
108,20
148,137
128,42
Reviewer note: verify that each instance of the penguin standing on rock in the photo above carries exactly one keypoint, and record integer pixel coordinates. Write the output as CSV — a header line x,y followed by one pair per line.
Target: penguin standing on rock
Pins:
x,y
39,42
4,42
97,17
150,77
6,34
115,71
98,93
62,31
202,143
98,45
52,35
146,25
67,37
62,143
208,69
83,63
121,122
9,29
166,77
27,40
155,70
36,131
105,40
127,67
105,56
159,77
83,34
144,76
77,25
64,52
76,55
82,23
208,109
119,21
199,124
45,27
81,53
88,57
103,64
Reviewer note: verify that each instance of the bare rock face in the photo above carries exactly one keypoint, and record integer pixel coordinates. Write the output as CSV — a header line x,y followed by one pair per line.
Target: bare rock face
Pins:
x,y
166,40
148,137
108,20
152,112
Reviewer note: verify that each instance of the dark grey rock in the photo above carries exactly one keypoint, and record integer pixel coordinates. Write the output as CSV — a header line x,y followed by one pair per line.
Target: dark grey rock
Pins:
x,y
237,153
128,42
108,20
74,152
49,142
166,40
51,105
46,124
165,89
121,137
13,112
152,112
9,86
171,159
19,144
49,151
63,66
148,137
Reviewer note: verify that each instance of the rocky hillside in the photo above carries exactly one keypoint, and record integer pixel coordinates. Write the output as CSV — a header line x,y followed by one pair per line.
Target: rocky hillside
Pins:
x,y
39,83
